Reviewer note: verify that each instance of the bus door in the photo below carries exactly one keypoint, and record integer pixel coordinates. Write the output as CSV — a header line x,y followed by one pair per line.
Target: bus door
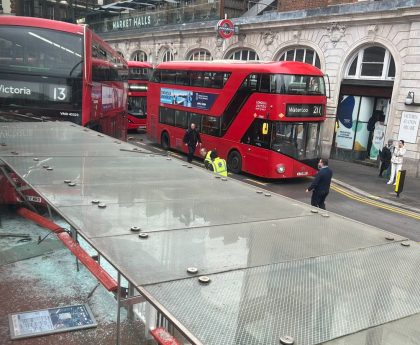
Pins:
x,y
256,145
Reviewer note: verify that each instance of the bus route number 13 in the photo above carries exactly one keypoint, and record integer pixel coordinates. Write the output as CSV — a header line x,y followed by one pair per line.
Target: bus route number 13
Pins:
x,y
60,93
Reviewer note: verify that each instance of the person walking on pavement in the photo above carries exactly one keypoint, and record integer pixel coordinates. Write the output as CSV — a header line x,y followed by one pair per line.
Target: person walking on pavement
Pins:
x,y
320,186
385,156
397,160
191,140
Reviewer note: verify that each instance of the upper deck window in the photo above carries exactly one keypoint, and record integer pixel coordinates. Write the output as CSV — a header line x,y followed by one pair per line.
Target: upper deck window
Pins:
x,y
214,80
29,50
285,84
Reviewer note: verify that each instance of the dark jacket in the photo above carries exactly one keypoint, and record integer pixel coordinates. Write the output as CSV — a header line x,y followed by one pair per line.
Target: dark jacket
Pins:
x,y
322,180
192,137
385,155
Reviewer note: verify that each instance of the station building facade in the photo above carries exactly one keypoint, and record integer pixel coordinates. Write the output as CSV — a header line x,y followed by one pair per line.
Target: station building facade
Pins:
x,y
370,51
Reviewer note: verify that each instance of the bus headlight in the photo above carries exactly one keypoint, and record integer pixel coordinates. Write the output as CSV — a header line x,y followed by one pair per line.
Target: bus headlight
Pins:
x,y
280,168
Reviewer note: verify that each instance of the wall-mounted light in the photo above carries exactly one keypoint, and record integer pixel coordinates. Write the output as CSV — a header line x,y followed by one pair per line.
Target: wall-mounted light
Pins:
x,y
409,100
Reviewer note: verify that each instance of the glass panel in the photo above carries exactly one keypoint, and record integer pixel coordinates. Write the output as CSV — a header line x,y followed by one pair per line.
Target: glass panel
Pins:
x,y
309,58
297,84
255,135
372,69
362,137
374,54
181,119
197,78
346,121
317,61
366,109
41,52
137,106
299,54
196,119
182,78
211,125
139,73
251,55
297,140
282,57
391,70
290,55
353,67
167,116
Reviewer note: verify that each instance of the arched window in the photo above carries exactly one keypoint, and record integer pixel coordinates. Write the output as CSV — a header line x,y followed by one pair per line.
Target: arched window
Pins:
x,y
244,54
371,63
168,56
200,55
301,54
139,55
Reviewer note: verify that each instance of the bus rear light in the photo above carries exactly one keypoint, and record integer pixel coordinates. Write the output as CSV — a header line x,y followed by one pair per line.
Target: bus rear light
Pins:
x,y
280,169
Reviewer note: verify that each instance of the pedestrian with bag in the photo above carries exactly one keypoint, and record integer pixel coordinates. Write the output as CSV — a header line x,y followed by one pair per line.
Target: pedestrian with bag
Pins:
x,y
192,139
385,156
320,186
396,161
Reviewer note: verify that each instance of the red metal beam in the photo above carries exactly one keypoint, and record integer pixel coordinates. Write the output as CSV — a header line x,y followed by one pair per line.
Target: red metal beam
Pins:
x,y
163,337
106,280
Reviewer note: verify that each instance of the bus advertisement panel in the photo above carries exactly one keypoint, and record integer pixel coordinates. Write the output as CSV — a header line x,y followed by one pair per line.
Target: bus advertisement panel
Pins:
x,y
139,75
53,70
264,118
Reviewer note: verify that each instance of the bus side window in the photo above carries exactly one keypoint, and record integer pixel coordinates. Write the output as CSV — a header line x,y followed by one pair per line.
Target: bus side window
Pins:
x,y
211,125
265,83
182,78
181,119
196,78
196,119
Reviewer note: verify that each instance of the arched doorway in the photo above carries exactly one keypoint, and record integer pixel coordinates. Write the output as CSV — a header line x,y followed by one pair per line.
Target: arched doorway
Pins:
x,y
363,106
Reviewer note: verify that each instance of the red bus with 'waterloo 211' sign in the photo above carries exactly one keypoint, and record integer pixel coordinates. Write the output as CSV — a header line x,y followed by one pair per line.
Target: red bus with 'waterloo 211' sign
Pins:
x,y
264,118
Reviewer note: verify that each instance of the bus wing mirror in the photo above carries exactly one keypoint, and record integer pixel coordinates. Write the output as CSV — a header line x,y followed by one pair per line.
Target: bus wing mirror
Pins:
x,y
265,128
329,85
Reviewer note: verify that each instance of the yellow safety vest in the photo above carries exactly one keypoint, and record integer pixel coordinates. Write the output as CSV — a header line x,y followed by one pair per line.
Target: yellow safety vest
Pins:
x,y
219,166
207,160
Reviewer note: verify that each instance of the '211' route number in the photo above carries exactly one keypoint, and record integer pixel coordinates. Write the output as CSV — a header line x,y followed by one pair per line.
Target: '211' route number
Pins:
x,y
317,109
60,93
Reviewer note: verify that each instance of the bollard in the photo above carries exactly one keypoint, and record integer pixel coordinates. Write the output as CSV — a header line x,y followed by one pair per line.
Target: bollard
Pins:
x,y
399,183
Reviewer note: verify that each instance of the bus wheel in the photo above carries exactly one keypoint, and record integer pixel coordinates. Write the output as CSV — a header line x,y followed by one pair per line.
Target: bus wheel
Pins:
x,y
164,141
234,162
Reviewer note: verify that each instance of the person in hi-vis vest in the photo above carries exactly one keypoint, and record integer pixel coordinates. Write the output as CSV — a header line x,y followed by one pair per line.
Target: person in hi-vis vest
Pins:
x,y
213,162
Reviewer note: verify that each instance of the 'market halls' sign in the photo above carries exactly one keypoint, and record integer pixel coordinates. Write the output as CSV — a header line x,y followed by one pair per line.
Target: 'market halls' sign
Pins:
x,y
131,23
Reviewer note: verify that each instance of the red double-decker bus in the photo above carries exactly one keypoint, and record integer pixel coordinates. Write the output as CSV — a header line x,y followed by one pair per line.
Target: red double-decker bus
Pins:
x,y
52,70
263,118
138,77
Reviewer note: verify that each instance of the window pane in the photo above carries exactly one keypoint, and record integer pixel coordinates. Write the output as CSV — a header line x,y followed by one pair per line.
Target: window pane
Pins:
x,y
197,78
374,54
290,55
181,119
299,54
309,58
391,70
196,119
251,56
211,125
168,76
254,136
317,61
372,69
353,67
283,57
182,78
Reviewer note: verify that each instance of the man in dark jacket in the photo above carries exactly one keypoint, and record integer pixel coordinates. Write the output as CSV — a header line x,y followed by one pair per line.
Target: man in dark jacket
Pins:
x,y
191,140
385,155
320,187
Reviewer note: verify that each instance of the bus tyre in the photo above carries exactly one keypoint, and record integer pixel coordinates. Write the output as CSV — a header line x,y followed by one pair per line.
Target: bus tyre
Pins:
x,y
234,162
164,141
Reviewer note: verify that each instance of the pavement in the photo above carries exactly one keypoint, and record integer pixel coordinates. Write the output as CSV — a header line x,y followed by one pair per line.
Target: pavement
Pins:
x,y
364,180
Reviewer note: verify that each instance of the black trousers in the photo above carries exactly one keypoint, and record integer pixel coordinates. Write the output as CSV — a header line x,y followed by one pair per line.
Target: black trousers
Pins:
x,y
191,150
384,166
318,198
